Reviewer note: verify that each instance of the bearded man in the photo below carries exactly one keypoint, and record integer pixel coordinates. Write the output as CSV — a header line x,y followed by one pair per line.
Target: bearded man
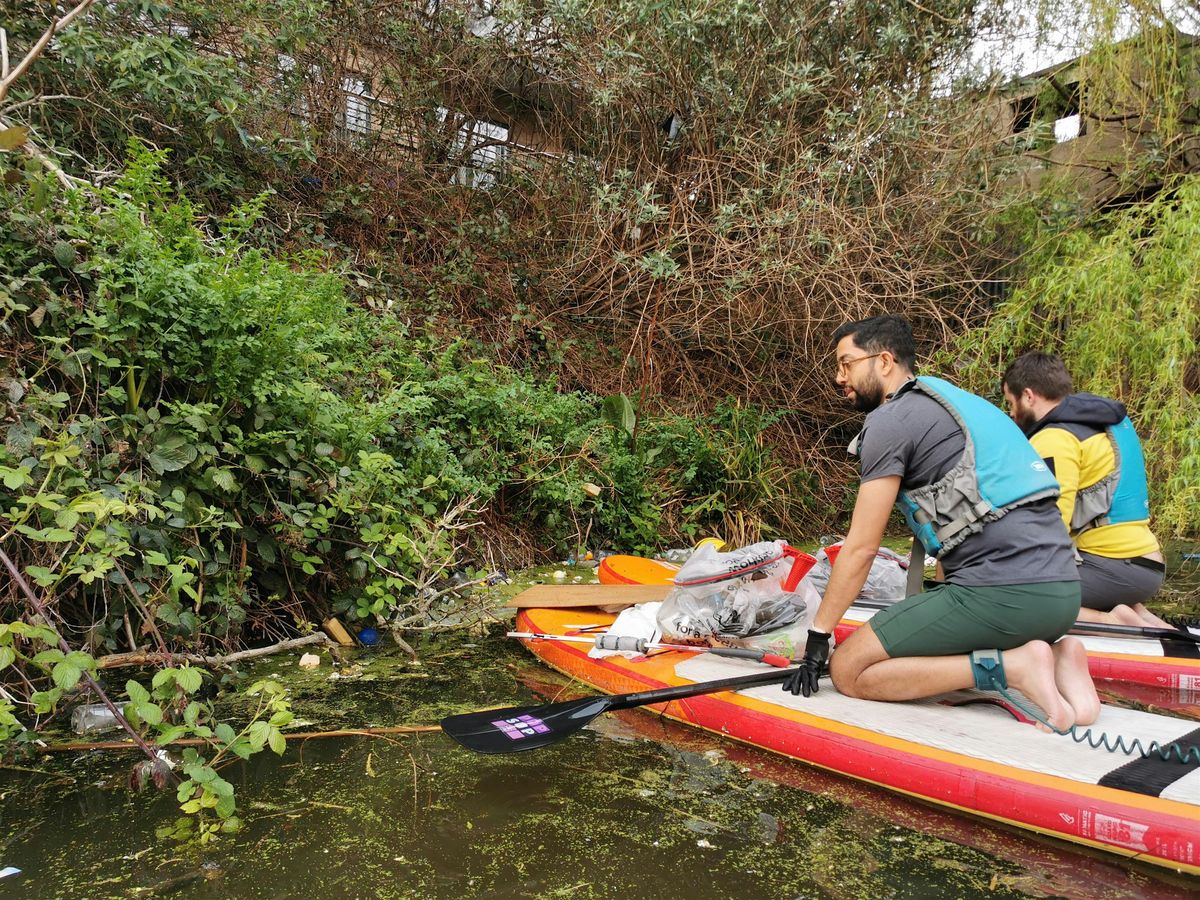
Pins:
x,y
980,500
1093,450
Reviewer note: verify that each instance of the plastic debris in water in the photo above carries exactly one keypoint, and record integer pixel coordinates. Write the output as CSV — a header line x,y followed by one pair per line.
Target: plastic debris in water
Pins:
x,y
310,661
9,870
368,637
93,717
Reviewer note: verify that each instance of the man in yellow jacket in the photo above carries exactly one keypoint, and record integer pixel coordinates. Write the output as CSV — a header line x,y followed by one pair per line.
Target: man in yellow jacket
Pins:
x,y
1090,445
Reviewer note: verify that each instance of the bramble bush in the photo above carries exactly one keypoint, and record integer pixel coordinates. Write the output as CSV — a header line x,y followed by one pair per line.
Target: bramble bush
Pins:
x,y
200,437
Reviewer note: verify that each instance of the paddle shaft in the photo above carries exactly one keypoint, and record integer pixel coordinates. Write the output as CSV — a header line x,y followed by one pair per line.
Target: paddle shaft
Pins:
x,y
666,695
1093,627
640,645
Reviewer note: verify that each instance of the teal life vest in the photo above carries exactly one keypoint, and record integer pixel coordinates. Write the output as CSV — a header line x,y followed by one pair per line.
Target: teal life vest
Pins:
x,y
1120,496
998,471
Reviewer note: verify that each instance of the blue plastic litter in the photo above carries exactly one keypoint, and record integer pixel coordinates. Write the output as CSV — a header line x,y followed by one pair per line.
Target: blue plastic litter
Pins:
x,y
368,637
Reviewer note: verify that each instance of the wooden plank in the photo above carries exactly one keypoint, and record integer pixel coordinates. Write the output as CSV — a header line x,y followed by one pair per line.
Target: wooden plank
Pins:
x,y
559,596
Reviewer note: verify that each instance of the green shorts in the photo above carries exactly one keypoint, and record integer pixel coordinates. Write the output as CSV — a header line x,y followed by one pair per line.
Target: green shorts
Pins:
x,y
950,618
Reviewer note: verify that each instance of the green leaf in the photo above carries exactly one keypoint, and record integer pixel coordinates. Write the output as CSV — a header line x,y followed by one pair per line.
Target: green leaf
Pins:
x,y
42,576
618,412
136,692
242,749
64,254
189,679
221,787
7,657
258,734
66,675
225,733
276,741
66,519
163,679
171,734
15,478
172,451
223,478
47,657
149,713
43,701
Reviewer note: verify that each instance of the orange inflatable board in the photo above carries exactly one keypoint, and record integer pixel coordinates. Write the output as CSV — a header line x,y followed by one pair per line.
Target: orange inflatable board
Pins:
x,y
952,750
635,570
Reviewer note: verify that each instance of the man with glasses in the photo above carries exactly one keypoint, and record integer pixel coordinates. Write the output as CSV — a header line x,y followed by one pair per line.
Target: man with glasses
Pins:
x,y
983,503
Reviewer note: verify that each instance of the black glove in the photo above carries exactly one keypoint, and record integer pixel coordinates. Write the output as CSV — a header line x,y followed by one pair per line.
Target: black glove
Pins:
x,y
816,653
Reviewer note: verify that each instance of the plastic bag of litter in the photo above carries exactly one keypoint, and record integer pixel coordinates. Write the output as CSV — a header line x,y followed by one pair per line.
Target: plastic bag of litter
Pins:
x,y
720,597
887,580
789,640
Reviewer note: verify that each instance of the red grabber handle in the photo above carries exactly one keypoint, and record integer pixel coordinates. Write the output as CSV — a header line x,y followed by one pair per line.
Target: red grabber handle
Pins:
x,y
771,659
801,563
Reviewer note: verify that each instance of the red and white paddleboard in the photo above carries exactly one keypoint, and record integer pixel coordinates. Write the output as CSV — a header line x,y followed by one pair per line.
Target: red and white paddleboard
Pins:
x,y
975,758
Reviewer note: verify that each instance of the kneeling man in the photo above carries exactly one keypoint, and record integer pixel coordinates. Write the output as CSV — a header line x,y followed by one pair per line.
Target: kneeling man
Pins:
x,y
980,499
1091,446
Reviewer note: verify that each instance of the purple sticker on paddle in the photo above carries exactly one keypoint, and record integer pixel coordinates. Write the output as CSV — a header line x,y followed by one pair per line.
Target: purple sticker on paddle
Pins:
x,y
521,727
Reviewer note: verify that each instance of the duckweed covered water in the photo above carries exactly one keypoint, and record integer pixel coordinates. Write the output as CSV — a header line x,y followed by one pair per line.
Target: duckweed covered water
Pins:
x,y
636,806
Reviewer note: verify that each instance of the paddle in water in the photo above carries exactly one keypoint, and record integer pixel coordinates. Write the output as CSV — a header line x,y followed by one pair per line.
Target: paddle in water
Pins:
x,y
520,728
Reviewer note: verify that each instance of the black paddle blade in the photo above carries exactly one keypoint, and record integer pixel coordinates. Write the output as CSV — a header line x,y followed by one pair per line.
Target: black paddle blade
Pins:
x,y
523,727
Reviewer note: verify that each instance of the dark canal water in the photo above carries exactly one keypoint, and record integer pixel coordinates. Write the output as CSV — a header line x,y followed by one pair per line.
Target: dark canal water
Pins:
x,y
634,807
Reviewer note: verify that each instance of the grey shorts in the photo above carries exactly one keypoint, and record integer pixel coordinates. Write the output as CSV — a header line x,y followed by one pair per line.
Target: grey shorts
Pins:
x,y
1106,583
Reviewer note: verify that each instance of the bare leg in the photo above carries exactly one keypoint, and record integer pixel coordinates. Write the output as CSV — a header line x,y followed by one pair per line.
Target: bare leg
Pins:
x,y
1149,618
862,668
1118,615
1074,681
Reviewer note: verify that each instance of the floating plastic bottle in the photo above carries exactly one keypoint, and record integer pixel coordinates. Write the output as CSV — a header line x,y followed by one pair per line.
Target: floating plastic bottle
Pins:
x,y
93,717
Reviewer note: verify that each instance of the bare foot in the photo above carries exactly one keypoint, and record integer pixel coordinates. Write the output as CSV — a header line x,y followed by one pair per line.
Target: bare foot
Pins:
x,y
1074,681
1124,615
1149,618
1030,669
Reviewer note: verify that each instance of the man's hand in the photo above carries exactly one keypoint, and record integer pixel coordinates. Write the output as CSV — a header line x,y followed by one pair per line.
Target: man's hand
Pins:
x,y
805,680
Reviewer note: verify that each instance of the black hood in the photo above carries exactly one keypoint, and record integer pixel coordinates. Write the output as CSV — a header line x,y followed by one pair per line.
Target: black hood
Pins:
x,y
1082,409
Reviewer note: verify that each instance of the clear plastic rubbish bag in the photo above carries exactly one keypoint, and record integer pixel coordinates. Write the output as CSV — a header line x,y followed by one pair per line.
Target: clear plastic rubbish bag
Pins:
x,y
721,597
887,580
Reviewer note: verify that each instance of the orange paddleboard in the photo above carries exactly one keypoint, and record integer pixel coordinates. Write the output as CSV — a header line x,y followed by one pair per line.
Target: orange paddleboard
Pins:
x,y
635,570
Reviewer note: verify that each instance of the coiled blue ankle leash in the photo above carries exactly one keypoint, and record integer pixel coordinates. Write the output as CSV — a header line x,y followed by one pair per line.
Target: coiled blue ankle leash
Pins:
x,y
988,670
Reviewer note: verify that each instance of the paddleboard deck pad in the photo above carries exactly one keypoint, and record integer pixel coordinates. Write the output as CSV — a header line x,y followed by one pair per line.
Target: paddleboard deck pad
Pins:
x,y
952,750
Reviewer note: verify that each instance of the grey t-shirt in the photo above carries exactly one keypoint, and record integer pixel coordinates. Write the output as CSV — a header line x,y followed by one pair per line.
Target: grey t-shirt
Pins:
x,y
914,437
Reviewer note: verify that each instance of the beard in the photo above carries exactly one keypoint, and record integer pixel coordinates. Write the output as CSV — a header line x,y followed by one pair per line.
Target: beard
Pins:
x,y
868,397
1024,417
